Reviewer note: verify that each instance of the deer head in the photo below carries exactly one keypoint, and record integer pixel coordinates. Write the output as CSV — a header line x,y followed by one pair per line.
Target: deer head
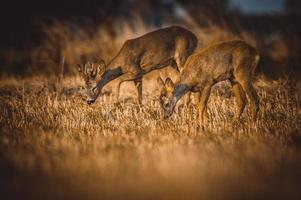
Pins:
x,y
166,99
92,73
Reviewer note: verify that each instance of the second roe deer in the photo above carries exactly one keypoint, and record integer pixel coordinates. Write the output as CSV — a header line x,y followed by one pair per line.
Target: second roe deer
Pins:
x,y
154,50
231,60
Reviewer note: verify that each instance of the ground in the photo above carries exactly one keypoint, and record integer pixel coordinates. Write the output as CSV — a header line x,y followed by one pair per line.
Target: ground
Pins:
x,y
54,146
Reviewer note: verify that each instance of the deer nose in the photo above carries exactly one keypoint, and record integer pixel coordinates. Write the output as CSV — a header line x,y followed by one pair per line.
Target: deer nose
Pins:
x,y
90,101
166,115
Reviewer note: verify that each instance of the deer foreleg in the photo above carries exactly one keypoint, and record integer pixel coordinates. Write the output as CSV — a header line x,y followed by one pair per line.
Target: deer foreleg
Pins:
x,y
138,84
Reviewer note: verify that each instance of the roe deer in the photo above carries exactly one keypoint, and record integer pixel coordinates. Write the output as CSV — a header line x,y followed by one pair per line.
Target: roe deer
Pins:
x,y
154,50
231,60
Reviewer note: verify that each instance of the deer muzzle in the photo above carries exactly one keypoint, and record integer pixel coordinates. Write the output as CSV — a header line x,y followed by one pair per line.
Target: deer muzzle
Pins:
x,y
90,101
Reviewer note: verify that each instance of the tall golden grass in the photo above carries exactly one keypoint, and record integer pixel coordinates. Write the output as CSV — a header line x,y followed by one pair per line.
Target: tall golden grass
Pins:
x,y
55,146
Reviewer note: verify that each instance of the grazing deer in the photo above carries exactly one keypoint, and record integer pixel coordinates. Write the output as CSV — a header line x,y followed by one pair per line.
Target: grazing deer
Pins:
x,y
232,60
154,50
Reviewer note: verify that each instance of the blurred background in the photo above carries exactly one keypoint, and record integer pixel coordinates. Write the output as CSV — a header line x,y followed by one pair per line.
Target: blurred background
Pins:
x,y
51,37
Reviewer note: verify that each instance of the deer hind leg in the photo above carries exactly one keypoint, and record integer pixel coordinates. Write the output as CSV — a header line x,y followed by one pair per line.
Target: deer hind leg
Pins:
x,y
138,85
241,99
180,61
243,74
202,105
250,91
174,64
181,52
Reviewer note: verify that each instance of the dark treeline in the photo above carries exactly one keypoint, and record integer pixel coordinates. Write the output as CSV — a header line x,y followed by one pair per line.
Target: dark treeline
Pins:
x,y
20,19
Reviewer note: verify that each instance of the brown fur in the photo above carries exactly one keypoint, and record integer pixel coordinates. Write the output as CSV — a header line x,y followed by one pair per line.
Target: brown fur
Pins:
x,y
154,50
231,60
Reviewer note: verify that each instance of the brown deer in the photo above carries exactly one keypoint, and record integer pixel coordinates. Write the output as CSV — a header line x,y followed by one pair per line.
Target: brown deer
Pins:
x,y
231,60
154,50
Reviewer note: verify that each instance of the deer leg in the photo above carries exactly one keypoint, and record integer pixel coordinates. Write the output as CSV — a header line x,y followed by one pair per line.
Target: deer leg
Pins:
x,y
174,65
118,90
180,62
138,84
241,100
187,99
196,97
203,102
250,91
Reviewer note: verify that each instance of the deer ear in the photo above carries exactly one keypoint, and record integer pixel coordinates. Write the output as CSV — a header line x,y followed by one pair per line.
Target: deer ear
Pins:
x,y
169,83
160,82
79,68
101,67
102,63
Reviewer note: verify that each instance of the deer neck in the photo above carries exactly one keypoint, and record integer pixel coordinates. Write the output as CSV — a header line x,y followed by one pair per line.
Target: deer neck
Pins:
x,y
109,75
179,91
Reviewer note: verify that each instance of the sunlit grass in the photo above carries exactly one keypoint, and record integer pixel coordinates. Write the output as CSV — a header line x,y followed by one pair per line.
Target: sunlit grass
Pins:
x,y
54,145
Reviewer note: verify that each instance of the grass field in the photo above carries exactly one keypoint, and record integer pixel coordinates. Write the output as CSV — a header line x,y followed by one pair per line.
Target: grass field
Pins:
x,y
53,145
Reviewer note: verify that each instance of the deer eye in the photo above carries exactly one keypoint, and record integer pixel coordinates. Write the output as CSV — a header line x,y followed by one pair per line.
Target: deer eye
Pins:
x,y
92,76
166,104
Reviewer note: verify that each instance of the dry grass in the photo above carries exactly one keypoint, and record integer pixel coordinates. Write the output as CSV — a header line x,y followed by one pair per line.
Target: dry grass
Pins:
x,y
55,146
